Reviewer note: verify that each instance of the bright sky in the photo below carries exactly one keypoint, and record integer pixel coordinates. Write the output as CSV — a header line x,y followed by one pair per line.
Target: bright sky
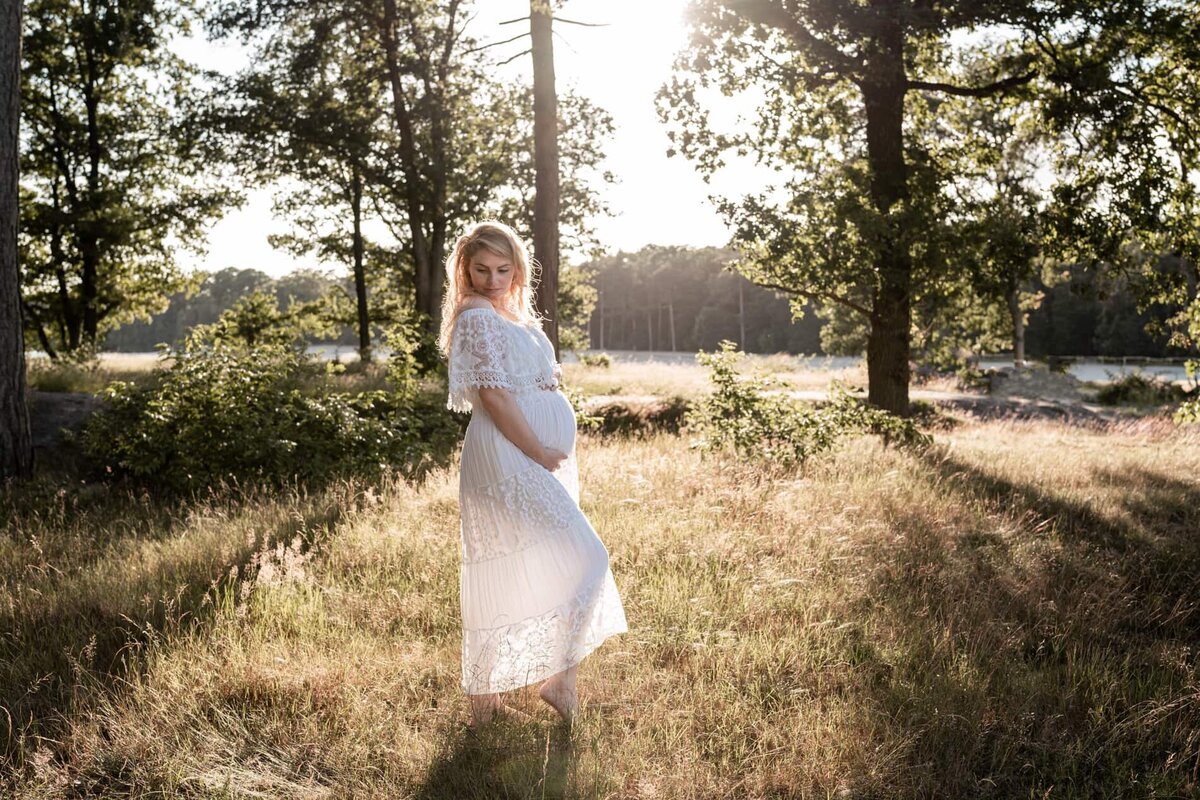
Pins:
x,y
620,67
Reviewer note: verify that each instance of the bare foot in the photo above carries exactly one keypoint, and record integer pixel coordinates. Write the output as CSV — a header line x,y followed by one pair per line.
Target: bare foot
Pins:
x,y
564,701
484,709
489,708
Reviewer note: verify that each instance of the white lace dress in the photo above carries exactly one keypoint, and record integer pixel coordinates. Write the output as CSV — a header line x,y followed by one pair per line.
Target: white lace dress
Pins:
x,y
536,589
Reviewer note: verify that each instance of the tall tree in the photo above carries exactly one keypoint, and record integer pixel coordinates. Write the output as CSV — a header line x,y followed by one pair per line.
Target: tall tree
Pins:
x,y
995,153
16,446
545,148
117,175
427,58
307,108
460,142
845,116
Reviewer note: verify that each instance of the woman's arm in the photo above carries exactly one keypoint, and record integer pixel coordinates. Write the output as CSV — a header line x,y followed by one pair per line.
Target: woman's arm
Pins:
x,y
503,410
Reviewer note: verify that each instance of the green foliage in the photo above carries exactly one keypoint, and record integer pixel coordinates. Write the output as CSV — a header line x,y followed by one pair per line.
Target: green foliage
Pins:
x,y
117,176
584,421
257,320
225,414
405,367
845,331
879,222
758,424
601,360
1137,388
576,301
1188,413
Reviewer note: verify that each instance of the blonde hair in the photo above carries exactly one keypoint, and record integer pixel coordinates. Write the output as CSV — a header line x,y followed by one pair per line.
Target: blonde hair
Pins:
x,y
504,242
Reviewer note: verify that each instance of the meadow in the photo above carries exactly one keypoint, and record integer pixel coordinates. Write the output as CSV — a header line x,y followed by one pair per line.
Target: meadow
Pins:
x,y
1011,613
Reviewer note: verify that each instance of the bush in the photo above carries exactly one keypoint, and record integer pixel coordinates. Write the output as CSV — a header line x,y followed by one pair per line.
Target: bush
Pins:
x,y
641,418
583,420
1189,412
602,360
268,415
1137,388
773,427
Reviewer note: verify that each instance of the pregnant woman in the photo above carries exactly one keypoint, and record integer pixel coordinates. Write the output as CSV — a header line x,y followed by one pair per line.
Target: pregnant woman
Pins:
x,y
536,590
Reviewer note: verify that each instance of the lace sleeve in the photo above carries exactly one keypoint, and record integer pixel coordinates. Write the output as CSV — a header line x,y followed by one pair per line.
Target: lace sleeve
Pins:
x,y
477,357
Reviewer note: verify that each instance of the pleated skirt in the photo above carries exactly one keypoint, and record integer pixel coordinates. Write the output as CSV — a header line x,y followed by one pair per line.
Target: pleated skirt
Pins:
x,y
536,589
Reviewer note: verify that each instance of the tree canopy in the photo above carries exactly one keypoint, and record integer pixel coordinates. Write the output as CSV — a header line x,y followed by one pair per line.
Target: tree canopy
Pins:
x,y
853,117
116,176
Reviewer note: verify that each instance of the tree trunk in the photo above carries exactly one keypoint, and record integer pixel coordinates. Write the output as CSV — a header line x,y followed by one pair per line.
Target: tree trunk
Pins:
x,y
545,149
412,176
88,289
16,443
360,278
1018,325
888,345
741,318
671,320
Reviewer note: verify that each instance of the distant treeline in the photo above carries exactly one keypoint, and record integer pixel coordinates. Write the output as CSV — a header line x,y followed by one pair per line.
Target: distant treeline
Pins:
x,y
218,292
678,298
664,298
648,296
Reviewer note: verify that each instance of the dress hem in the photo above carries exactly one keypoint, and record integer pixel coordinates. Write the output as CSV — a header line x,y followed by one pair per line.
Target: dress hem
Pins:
x,y
542,672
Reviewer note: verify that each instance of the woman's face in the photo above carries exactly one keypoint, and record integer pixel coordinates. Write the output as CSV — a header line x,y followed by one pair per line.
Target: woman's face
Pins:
x,y
491,274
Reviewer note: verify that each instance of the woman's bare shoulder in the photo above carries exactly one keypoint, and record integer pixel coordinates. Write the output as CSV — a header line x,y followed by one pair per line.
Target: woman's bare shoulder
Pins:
x,y
474,301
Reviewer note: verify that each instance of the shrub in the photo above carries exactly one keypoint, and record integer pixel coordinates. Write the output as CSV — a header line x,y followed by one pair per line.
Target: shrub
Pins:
x,y
268,415
772,427
583,420
1137,388
1189,412
603,360
641,418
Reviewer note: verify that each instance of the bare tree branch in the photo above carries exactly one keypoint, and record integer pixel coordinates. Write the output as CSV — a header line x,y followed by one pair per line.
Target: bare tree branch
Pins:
x,y
514,58
496,44
816,296
585,24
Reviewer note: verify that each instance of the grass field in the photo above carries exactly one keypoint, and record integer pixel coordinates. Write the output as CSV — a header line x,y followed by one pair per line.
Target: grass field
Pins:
x,y
1011,614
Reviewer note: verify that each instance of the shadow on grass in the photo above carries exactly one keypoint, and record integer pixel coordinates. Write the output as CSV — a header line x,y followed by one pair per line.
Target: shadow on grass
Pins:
x,y
503,760
71,625
1034,653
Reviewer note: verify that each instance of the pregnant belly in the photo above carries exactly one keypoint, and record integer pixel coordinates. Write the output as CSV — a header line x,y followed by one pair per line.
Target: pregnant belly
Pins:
x,y
551,417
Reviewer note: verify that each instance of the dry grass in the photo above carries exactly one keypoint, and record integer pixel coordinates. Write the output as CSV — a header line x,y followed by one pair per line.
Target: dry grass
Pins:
x,y
1013,614
691,380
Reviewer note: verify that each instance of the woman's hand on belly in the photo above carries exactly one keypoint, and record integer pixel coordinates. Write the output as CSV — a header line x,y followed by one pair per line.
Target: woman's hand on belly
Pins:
x,y
502,408
551,458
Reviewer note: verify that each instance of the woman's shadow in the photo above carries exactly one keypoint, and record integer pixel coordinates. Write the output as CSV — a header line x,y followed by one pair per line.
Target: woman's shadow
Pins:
x,y
506,758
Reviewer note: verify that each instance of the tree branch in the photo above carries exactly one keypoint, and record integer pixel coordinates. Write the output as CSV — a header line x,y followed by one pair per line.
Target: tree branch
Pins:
x,y
816,296
585,24
496,44
31,313
775,16
1139,95
974,91
514,58
513,21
